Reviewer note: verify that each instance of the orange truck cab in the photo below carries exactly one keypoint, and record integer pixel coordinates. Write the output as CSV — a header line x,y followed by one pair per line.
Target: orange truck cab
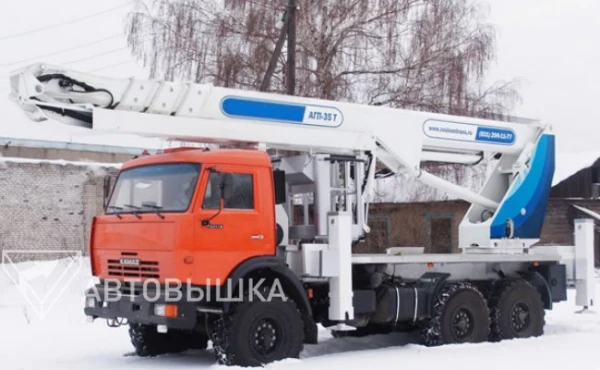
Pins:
x,y
165,212
201,220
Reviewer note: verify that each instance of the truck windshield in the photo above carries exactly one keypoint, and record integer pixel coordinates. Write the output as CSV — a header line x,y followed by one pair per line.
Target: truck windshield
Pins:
x,y
165,187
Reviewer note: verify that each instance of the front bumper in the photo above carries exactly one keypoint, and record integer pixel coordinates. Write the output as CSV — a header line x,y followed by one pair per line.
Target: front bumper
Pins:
x,y
137,308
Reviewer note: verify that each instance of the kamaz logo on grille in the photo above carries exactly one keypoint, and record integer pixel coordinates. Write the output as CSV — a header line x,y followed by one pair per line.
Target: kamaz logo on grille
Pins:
x,y
130,261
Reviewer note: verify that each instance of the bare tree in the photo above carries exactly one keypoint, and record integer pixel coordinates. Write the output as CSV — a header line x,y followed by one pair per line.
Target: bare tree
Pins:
x,y
428,55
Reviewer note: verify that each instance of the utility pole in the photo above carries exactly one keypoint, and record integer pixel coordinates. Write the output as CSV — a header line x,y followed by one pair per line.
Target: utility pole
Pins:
x,y
288,28
264,86
291,47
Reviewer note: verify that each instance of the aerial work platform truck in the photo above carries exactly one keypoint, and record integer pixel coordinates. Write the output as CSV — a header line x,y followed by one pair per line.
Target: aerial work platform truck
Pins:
x,y
251,249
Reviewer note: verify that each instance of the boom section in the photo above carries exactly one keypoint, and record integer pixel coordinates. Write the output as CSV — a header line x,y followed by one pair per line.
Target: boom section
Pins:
x,y
215,114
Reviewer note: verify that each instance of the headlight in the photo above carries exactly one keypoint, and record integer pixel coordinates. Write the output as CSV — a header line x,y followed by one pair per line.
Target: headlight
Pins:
x,y
90,302
160,310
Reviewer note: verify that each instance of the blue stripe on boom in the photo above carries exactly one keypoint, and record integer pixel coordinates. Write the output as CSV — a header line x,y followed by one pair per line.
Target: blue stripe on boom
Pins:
x,y
257,109
530,192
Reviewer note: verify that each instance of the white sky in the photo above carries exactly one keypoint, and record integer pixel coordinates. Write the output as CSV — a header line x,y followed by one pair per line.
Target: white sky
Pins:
x,y
553,45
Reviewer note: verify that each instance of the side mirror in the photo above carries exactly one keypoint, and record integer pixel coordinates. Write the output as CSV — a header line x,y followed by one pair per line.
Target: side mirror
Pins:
x,y
226,185
225,190
107,188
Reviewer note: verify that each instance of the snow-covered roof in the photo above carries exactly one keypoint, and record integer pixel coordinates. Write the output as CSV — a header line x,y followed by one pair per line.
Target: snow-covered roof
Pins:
x,y
60,162
588,212
568,164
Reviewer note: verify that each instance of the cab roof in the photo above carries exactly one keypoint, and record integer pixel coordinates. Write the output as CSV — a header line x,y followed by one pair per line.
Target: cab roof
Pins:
x,y
253,158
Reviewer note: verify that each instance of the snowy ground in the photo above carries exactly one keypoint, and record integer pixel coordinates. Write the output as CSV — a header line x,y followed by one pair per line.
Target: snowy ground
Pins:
x,y
64,340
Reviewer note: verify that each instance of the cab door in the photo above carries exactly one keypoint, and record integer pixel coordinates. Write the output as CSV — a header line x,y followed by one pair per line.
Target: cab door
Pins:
x,y
242,229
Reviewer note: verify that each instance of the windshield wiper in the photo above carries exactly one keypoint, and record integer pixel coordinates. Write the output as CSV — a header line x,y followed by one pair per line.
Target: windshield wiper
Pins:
x,y
115,208
155,207
135,208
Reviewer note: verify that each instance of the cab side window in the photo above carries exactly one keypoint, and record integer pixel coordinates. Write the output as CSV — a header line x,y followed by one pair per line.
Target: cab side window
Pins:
x,y
241,197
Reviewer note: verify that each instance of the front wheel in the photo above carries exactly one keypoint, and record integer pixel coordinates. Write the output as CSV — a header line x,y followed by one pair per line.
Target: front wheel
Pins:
x,y
258,332
147,341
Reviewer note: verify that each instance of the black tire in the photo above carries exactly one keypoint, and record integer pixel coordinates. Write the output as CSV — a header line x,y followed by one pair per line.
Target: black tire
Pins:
x,y
184,340
198,341
148,342
516,311
460,315
257,332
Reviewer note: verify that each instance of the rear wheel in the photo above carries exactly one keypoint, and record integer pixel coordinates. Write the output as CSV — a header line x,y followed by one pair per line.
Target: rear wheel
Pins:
x,y
516,311
460,316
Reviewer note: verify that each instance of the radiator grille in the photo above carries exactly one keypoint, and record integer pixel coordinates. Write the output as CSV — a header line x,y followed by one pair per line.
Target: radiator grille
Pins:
x,y
145,269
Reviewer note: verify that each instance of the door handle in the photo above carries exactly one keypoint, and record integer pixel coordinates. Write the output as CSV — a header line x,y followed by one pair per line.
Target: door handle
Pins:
x,y
257,237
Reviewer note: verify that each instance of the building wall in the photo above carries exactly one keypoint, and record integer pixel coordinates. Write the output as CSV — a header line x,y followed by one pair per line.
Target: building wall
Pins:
x,y
558,226
47,207
414,225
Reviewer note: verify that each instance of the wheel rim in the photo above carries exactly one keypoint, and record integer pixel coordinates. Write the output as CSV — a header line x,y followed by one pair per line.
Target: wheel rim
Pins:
x,y
520,317
265,337
462,324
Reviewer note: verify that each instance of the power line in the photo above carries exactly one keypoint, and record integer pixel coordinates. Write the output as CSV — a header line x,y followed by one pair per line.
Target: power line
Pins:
x,y
94,56
61,51
20,34
84,59
88,58
109,66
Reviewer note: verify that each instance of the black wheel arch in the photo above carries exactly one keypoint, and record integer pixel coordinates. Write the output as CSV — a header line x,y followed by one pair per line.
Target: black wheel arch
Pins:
x,y
540,284
432,284
274,267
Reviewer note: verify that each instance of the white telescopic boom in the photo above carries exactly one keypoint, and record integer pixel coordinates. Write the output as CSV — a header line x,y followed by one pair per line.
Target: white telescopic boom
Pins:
x,y
400,139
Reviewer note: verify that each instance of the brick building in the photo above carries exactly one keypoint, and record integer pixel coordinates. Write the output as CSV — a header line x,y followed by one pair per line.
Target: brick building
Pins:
x,y
433,225
48,205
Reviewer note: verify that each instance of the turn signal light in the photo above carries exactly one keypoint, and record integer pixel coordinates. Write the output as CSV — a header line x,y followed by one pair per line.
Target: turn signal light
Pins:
x,y
165,310
171,310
